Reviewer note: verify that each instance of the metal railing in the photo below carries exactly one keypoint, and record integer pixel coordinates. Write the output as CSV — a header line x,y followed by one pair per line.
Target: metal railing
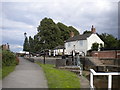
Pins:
x,y
109,74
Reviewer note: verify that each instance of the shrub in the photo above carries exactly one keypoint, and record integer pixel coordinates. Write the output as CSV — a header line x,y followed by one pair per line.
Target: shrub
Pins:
x,y
17,60
8,58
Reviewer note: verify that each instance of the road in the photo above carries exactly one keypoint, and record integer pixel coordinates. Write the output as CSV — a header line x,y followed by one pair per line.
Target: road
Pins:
x,y
26,75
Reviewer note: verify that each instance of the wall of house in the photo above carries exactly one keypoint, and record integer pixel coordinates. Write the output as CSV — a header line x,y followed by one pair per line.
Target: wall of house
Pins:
x,y
79,46
92,39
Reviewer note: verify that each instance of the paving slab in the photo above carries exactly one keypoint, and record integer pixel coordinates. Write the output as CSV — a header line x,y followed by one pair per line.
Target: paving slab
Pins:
x,y
26,75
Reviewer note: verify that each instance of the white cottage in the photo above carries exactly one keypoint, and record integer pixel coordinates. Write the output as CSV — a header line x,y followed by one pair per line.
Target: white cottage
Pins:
x,y
82,43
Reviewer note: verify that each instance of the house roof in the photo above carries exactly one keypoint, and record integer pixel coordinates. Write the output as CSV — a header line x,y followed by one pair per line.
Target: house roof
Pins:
x,y
79,37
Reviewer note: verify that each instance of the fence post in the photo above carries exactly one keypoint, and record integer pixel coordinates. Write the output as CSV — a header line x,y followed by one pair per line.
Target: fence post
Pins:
x,y
91,80
109,82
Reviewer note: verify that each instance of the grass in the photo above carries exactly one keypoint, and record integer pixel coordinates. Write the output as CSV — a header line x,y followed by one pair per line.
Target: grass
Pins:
x,y
60,78
0,73
7,70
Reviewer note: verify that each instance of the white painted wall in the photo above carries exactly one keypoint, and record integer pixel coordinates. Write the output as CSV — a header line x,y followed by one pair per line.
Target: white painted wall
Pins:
x,y
76,45
82,45
92,39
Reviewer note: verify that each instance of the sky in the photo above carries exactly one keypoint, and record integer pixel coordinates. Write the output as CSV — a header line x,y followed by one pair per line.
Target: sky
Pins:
x,y
20,16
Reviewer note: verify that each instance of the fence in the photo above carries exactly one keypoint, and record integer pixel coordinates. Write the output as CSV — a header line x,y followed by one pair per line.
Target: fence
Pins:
x,y
109,74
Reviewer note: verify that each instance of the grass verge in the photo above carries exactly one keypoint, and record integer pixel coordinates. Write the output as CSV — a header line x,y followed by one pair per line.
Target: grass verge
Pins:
x,y
7,70
0,73
60,78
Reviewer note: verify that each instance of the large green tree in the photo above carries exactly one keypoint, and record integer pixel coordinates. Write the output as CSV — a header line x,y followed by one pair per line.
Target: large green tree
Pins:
x,y
110,41
72,29
26,45
31,44
49,34
66,30
65,33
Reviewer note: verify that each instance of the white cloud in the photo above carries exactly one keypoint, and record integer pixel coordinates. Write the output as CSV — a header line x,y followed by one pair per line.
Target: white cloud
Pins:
x,y
25,16
15,47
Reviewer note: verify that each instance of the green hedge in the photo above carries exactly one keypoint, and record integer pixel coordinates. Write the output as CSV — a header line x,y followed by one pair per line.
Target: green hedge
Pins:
x,y
8,58
9,62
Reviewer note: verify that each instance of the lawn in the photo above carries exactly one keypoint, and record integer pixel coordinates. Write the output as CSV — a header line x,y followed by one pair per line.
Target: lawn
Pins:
x,y
7,70
60,78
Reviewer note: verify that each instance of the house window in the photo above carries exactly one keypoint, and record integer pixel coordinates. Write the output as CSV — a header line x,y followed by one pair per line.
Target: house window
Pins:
x,y
81,43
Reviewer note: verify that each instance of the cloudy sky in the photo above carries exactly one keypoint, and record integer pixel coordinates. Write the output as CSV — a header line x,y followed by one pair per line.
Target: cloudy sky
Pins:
x,y
18,17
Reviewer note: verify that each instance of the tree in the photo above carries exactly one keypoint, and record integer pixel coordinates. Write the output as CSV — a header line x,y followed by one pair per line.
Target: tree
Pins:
x,y
66,30
85,32
31,44
49,33
72,29
95,46
101,47
65,33
26,45
110,41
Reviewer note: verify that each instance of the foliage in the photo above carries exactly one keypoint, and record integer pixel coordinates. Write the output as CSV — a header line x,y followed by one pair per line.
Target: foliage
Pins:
x,y
9,61
110,41
101,47
66,30
8,58
49,34
85,32
65,33
95,46
60,78
17,61
31,44
26,45
72,29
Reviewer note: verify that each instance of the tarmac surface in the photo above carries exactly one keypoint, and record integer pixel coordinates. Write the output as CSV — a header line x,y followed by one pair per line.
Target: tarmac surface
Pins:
x,y
25,75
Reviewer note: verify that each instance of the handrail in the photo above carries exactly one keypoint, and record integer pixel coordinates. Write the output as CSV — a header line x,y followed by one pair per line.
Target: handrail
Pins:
x,y
101,73
92,73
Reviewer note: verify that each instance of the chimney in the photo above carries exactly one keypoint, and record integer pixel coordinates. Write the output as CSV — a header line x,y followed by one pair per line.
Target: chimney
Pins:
x,y
71,34
93,30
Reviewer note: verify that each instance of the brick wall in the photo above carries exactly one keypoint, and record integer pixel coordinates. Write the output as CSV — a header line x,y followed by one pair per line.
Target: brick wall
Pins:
x,y
106,54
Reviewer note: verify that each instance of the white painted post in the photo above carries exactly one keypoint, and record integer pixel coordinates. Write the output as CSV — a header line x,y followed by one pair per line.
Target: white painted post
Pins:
x,y
54,53
109,82
49,52
91,80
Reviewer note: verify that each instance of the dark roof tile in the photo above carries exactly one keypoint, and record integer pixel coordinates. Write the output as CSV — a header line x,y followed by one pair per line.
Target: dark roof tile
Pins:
x,y
79,37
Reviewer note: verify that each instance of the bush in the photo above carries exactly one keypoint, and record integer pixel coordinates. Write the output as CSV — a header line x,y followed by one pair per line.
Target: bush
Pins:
x,y
17,60
8,58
